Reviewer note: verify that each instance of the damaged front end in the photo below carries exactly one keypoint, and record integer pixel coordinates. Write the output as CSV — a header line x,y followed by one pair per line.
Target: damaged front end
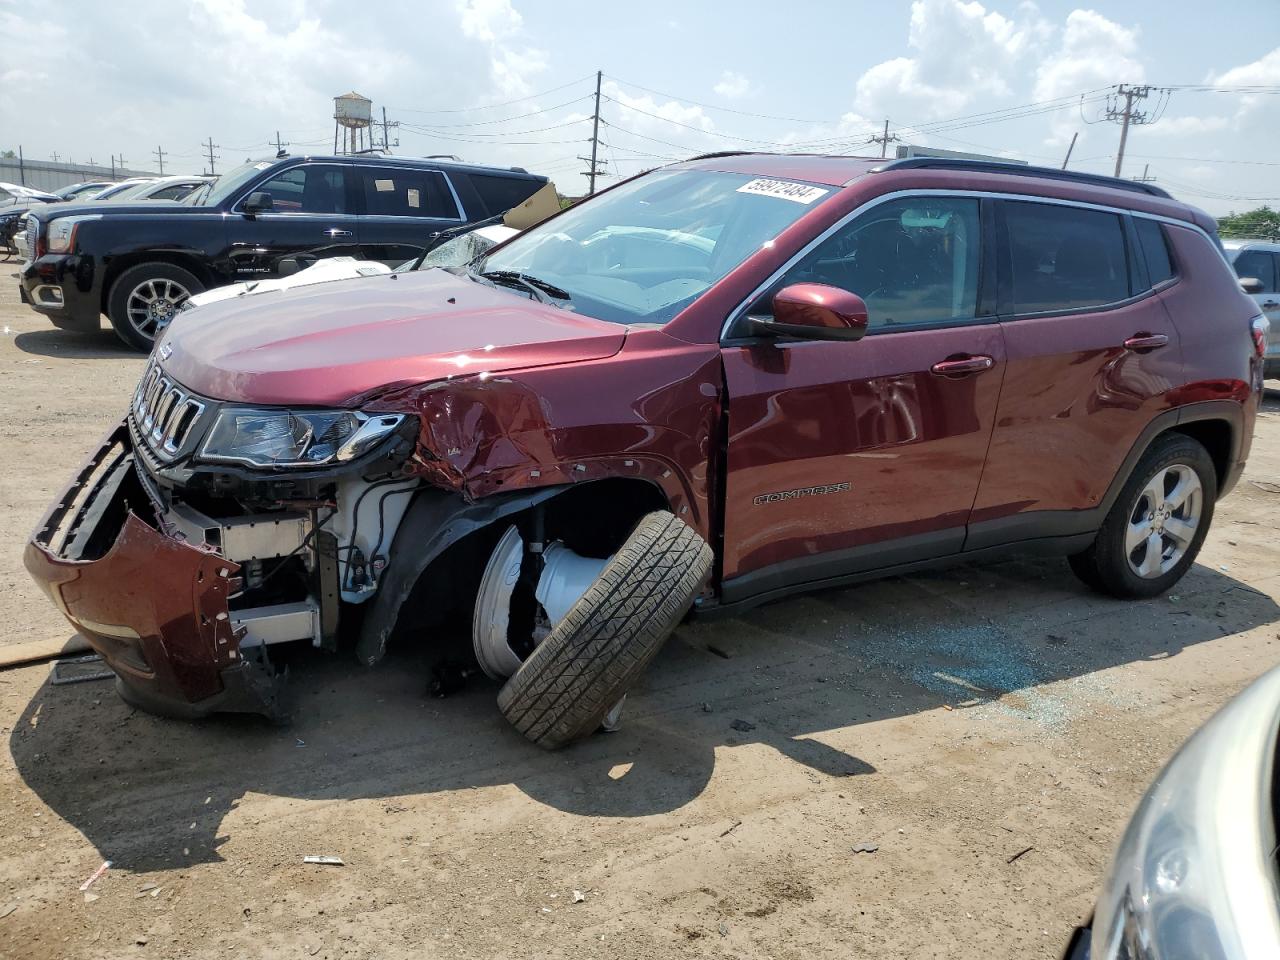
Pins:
x,y
154,606
182,571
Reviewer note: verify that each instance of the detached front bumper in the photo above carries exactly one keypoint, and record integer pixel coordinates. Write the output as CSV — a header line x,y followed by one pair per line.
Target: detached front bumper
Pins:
x,y
155,607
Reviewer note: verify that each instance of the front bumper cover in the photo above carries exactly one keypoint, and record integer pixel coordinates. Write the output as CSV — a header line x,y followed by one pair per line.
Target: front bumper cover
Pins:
x,y
155,607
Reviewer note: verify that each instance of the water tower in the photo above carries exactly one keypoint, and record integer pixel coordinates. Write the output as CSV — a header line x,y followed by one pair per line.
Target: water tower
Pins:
x,y
352,118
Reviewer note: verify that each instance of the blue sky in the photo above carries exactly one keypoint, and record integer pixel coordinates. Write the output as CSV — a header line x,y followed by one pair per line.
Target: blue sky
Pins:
x,y
508,81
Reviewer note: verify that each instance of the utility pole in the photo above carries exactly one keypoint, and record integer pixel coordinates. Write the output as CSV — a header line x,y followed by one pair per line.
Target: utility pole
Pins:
x,y
386,139
1125,115
121,163
1144,178
113,167
595,138
1067,158
160,153
22,167
885,140
212,146
55,156
280,145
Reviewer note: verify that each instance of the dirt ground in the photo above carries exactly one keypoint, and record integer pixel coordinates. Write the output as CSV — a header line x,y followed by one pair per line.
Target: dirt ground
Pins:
x,y
952,720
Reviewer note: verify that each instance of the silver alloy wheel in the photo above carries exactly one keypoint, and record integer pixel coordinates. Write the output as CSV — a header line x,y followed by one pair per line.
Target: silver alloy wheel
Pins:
x,y
1163,521
152,304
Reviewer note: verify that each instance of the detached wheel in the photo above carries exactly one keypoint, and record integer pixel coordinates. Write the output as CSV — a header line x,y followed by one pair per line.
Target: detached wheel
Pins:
x,y
145,298
1154,530
575,678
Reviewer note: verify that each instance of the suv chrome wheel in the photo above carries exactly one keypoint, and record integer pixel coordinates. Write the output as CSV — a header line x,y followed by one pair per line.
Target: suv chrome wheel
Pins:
x,y
152,304
1164,520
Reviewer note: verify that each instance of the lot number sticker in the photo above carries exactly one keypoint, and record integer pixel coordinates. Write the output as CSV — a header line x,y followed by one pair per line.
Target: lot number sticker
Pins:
x,y
784,190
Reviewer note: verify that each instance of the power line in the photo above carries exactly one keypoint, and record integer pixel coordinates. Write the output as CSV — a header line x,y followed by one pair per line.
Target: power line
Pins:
x,y
494,106
712,106
519,116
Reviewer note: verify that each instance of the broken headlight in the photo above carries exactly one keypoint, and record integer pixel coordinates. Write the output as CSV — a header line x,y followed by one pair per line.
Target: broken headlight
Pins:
x,y
294,438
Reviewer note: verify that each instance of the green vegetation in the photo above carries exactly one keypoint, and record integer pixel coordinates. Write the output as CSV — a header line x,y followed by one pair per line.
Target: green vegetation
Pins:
x,y
1260,224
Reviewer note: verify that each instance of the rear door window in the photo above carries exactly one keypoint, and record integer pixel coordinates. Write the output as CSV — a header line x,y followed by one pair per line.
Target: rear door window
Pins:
x,y
1155,250
1260,265
1065,258
390,192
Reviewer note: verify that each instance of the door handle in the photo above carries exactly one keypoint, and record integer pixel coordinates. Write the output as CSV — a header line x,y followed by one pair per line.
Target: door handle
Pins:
x,y
1268,304
962,366
335,232
1145,341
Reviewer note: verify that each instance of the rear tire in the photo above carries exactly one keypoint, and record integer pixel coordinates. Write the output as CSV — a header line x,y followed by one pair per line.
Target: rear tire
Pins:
x,y
146,297
567,686
1148,541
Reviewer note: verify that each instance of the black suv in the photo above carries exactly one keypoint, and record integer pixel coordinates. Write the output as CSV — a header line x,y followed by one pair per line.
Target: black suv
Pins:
x,y
137,263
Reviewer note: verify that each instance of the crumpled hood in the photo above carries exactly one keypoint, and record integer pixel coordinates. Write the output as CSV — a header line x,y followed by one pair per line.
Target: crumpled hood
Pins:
x,y
328,345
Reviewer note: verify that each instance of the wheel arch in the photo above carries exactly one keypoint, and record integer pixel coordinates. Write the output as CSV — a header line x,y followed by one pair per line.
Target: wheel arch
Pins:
x,y
122,262
444,539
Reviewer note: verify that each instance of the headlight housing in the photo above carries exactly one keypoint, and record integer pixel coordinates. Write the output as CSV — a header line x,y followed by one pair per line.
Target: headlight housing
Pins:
x,y
1195,874
278,438
60,232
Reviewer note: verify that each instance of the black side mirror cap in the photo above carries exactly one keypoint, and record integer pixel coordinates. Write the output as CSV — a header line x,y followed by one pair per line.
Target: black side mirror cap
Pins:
x,y
258,202
1250,285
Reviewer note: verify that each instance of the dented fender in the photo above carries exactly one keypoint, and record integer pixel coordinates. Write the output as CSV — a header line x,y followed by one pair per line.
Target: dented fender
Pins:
x,y
650,412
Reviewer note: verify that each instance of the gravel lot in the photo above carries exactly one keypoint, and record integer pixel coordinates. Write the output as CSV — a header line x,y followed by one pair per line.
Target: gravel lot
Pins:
x,y
952,720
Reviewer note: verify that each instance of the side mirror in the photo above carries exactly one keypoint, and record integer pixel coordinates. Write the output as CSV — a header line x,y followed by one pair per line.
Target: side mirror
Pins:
x,y
814,311
259,202
1251,285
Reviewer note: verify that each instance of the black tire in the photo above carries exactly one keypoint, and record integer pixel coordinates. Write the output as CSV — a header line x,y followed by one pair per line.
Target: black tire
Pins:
x,y
568,684
131,279
1104,566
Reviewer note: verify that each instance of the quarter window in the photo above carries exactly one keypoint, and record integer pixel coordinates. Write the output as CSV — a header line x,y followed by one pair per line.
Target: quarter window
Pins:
x,y
500,194
1155,250
913,261
389,192
307,190
1065,258
1257,264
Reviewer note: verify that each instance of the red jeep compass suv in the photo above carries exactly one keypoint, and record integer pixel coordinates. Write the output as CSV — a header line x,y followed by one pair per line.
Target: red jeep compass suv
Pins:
x,y
715,384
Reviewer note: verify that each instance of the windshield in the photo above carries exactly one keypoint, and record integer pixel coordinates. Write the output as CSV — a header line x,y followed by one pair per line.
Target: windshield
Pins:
x,y
644,251
230,182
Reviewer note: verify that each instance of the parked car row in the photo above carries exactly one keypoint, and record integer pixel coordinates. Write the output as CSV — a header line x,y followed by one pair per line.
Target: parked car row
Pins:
x,y
138,263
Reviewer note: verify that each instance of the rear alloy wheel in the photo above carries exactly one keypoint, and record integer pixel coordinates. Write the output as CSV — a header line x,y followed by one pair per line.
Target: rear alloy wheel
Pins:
x,y
1155,528
145,299
574,633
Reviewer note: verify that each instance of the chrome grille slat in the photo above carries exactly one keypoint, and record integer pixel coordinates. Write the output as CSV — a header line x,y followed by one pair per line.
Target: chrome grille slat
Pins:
x,y
164,413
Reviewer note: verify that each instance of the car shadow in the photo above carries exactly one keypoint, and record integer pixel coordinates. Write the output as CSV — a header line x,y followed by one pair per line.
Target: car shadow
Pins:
x,y
152,793
73,345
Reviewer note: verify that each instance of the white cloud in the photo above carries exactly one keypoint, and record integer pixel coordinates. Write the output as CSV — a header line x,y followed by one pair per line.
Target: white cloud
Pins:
x,y
488,20
961,51
1265,71
1093,52
732,85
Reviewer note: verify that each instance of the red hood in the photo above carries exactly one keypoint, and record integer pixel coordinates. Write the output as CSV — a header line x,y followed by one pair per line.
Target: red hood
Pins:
x,y
327,345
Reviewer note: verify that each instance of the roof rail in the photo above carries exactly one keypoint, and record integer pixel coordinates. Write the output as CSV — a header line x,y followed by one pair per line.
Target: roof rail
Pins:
x,y
721,153
1021,170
